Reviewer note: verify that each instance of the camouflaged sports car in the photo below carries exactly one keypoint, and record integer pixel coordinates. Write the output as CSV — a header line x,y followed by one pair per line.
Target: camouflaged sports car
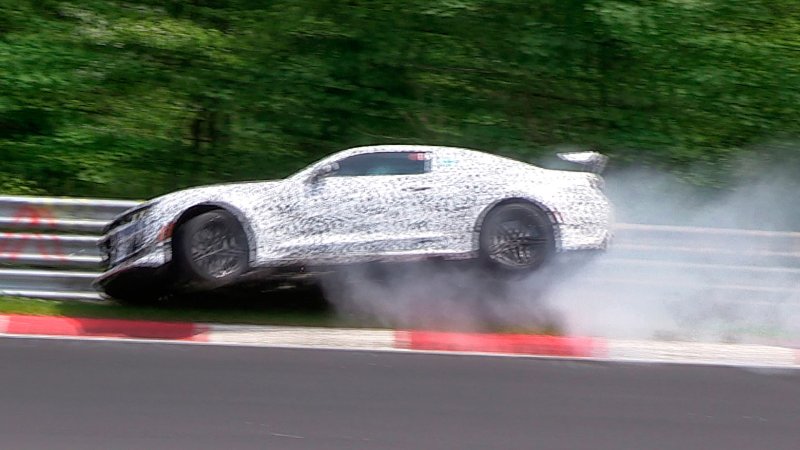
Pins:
x,y
378,203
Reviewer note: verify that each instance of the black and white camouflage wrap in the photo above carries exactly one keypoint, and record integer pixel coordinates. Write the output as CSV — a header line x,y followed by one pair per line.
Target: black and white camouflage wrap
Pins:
x,y
342,219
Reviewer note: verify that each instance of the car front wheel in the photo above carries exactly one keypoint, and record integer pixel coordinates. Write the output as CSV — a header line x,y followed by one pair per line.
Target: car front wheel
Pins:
x,y
210,250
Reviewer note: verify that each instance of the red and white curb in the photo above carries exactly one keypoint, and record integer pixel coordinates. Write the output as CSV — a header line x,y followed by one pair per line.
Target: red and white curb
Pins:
x,y
402,340
16,325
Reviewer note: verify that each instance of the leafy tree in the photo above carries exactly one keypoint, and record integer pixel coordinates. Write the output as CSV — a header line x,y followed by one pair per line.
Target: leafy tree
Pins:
x,y
135,98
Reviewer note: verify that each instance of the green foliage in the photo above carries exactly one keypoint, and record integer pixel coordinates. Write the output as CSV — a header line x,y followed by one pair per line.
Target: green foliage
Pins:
x,y
135,98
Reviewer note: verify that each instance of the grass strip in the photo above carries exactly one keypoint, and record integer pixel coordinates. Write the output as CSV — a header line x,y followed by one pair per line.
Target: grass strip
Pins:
x,y
308,312
212,314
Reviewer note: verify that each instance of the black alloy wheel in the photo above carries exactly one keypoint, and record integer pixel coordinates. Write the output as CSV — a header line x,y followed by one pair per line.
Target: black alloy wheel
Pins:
x,y
211,249
516,238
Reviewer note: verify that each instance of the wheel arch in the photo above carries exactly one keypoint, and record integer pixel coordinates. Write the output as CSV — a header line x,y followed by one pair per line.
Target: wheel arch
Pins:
x,y
201,208
551,215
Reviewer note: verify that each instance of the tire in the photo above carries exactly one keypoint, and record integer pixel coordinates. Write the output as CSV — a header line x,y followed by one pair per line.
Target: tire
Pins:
x,y
516,239
210,250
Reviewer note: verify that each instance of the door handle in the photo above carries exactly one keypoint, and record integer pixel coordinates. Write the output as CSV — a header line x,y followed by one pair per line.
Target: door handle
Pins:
x,y
416,188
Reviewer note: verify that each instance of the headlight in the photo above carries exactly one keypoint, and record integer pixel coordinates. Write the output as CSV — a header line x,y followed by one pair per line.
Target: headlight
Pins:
x,y
137,214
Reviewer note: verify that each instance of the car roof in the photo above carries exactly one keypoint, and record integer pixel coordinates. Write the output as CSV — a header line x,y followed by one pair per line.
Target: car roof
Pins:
x,y
439,150
401,147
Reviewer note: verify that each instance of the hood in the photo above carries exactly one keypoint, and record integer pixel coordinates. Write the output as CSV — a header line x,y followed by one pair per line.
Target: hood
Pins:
x,y
230,193
225,189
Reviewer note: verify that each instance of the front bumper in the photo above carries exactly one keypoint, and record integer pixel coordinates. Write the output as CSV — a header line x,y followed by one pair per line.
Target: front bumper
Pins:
x,y
156,256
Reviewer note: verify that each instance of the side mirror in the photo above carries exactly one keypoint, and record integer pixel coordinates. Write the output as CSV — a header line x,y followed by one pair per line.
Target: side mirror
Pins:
x,y
323,172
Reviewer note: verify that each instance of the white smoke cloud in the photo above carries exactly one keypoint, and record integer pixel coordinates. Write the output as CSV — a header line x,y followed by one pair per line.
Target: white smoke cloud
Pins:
x,y
673,285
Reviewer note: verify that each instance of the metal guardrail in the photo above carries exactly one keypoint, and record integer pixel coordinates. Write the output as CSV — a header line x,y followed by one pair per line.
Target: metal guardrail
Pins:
x,y
48,249
48,246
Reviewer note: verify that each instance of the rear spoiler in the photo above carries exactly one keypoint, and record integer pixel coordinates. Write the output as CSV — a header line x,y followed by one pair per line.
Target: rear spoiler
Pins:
x,y
593,161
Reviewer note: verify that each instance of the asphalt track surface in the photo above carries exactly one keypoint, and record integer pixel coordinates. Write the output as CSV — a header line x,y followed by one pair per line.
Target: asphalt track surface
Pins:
x,y
59,394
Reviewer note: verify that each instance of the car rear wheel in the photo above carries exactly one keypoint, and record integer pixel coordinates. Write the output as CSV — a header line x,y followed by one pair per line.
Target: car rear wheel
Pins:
x,y
516,238
210,250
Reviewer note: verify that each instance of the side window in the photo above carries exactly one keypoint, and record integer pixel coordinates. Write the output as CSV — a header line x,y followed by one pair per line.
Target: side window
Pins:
x,y
385,163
